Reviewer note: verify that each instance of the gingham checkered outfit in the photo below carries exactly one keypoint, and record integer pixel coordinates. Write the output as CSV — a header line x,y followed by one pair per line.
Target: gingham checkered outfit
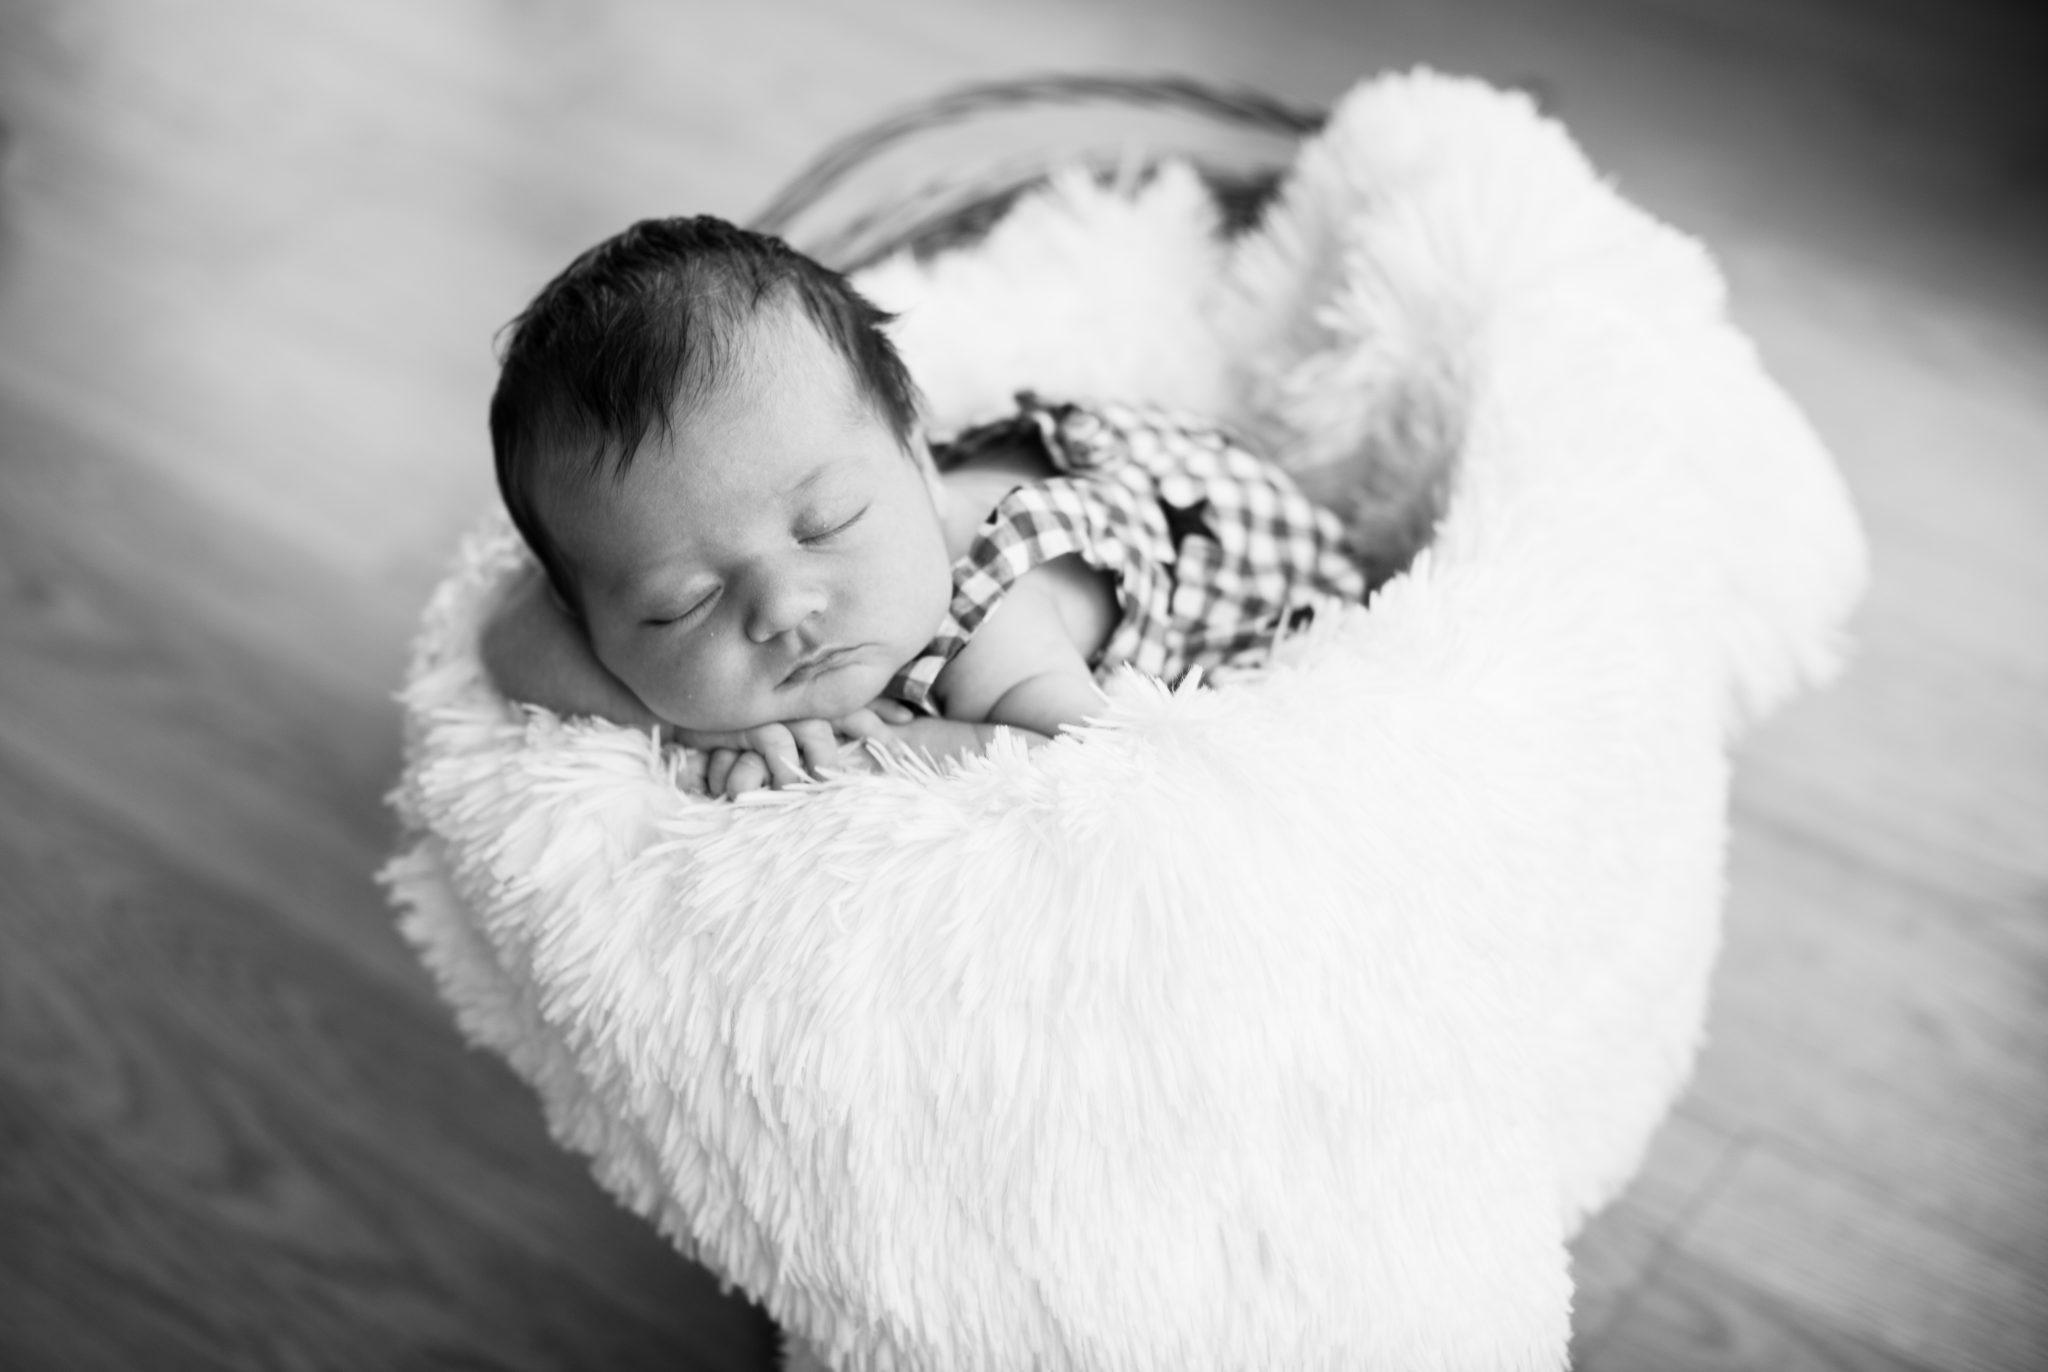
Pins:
x,y
1213,549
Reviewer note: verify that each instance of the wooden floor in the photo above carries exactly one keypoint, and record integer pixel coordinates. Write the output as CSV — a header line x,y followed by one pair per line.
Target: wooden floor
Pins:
x,y
252,255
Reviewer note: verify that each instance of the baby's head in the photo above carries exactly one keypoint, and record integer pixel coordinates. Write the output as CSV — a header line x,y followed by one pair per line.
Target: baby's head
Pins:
x,y
714,451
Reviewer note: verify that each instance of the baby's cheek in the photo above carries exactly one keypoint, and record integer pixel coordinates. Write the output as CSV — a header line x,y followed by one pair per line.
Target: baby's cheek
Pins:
x,y
648,675
710,687
683,689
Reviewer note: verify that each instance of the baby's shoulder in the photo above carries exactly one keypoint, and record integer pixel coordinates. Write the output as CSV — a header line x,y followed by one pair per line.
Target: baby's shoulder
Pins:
x,y
977,475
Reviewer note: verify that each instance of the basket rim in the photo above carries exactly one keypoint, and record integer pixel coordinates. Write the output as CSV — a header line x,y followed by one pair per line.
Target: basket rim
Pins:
x,y
1230,104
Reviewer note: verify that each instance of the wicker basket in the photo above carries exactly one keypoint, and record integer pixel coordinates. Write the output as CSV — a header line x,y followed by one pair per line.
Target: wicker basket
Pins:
x,y
939,174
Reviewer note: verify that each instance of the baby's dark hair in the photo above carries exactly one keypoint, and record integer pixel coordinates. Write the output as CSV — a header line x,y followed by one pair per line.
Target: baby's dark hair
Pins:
x,y
646,325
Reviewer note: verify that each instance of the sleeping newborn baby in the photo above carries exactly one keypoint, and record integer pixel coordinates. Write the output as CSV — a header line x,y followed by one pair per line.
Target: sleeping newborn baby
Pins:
x,y
745,539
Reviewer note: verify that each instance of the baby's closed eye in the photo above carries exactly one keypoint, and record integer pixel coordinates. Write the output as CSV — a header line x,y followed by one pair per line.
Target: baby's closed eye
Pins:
x,y
824,529
664,617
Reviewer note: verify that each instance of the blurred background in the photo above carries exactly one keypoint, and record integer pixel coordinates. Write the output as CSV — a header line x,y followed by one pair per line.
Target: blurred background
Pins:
x,y
253,254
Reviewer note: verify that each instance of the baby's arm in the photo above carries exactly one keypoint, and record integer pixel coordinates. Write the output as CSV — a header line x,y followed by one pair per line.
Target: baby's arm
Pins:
x,y
1028,665
535,653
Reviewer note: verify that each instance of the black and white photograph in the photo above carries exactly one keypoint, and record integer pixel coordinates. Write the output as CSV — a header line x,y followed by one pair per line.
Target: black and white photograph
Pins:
x,y
1023,686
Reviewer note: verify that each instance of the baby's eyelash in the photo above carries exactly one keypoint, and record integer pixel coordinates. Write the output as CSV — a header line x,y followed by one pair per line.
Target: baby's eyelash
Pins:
x,y
662,621
839,528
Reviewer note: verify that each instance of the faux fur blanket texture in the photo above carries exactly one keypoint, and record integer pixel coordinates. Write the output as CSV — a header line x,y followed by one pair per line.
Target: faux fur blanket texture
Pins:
x,y
1292,1023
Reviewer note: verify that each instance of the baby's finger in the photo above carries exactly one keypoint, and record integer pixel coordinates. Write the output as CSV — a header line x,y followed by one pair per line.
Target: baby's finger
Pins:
x,y
816,745
875,736
863,724
750,773
718,769
859,724
704,741
776,748
892,711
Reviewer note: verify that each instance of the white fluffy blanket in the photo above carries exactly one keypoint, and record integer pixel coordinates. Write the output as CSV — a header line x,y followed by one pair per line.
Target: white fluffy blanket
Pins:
x,y
1291,1024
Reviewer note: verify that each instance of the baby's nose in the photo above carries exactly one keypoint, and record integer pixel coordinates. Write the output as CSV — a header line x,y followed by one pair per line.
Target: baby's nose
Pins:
x,y
783,606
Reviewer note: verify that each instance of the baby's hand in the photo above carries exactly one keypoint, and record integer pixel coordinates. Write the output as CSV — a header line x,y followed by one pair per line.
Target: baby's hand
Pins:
x,y
772,755
940,740
787,754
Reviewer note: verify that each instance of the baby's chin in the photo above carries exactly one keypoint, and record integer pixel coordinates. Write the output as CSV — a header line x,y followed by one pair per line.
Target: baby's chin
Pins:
x,y
837,693
833,695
